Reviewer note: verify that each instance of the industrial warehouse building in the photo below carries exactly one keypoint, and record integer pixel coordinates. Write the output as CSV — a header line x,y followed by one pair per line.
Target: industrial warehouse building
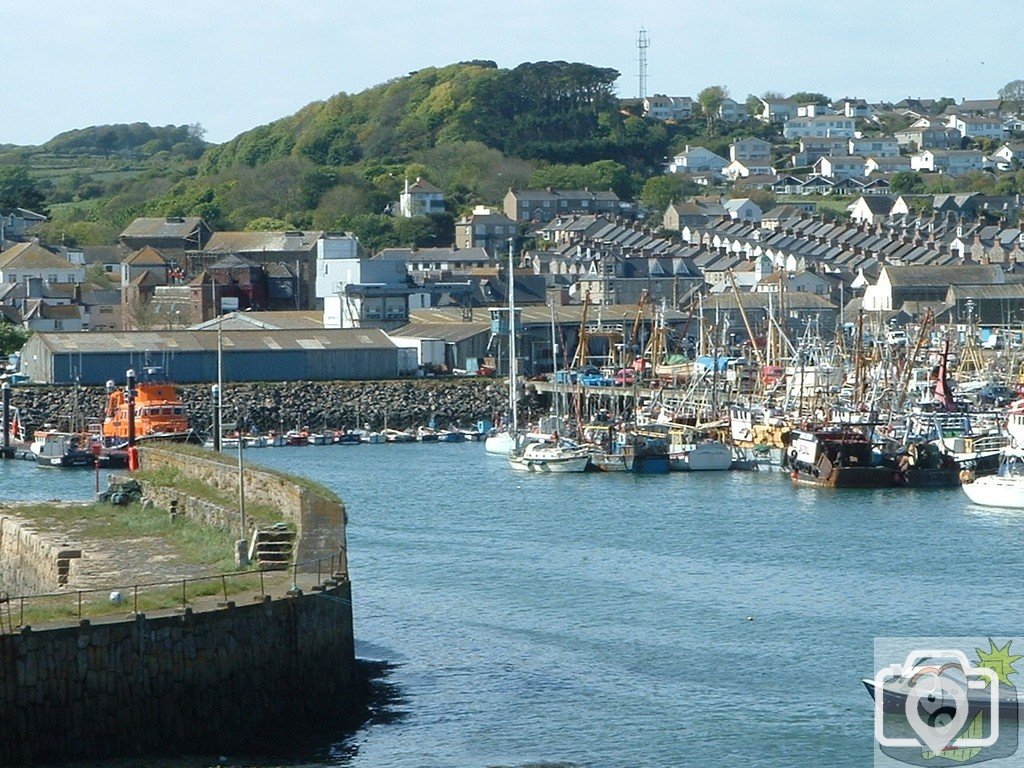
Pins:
x,y
191,356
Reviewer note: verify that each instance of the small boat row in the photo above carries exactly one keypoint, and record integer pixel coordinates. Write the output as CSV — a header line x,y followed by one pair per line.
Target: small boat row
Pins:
x,y
607,447
305,436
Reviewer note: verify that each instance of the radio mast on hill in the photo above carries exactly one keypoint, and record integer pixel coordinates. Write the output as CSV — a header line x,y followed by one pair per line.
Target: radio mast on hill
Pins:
x,y
642,43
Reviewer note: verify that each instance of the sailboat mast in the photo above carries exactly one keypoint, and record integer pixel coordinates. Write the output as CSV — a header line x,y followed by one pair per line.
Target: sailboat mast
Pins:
x,y
512,341
554,367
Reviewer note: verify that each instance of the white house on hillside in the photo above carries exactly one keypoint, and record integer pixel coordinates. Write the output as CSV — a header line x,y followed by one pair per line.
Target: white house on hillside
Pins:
x,y
844,167
955,162
876,146
743,209
977,127
23,261
751,148
696,160
661,107
420,199
825,125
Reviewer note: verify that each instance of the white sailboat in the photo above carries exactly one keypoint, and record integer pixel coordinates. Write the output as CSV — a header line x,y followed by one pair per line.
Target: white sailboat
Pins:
x,y
550,457
503,441
1004,490
551,454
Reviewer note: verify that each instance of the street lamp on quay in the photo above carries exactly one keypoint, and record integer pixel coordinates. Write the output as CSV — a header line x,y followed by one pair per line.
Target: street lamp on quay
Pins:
x,y
215,406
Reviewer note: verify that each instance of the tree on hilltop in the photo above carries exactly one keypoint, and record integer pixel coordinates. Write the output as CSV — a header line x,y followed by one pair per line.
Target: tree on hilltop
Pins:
x,y
810,97
710,99
1013,94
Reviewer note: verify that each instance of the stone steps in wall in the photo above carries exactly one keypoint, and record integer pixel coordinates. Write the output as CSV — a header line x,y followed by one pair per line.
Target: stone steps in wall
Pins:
x,y
271,548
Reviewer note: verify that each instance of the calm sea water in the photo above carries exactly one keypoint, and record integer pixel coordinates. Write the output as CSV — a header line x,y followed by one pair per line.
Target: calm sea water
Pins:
x,y
601,620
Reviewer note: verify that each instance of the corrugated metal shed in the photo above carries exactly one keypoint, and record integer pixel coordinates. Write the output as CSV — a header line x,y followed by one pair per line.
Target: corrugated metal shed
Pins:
x,y
191,356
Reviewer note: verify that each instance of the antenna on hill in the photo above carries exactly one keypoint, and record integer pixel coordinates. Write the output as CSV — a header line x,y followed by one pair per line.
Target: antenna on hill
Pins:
x,y
642,44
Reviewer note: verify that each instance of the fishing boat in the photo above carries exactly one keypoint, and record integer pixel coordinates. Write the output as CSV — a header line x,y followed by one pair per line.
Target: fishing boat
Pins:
x,y
1004,489
53,448
372,437
627,451
836,458
159,413
346,437
550,457
691,451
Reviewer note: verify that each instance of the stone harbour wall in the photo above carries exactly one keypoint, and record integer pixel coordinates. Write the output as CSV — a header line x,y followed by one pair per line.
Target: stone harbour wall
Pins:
x,y
32,562
286,405
319,521
234,679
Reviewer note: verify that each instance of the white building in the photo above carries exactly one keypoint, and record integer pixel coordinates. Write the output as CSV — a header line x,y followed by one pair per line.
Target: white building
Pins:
x,y
23,261
358,292
661,107
955,162
822,126
743,209
843,167
876,146
420,198
696,160
977,127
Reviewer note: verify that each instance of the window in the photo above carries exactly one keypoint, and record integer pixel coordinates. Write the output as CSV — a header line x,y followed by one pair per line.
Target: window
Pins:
x,y
58,325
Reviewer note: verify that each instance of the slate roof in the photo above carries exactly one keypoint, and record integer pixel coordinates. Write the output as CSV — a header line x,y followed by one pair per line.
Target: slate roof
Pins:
x,y
171,227
32,256
961,274
156,342
261,242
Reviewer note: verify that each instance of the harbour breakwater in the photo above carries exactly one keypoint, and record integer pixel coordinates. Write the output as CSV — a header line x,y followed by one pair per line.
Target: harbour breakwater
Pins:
x,y
267,406
212,676
233,679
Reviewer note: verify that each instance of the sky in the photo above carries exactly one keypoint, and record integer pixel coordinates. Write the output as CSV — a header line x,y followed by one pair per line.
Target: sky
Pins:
x,y
231,65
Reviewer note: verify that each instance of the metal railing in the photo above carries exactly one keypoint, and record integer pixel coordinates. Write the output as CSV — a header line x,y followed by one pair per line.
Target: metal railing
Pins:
x,y
110,601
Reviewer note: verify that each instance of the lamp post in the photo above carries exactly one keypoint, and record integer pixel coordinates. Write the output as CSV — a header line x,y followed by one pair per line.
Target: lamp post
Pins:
x,y
6,387
129,392
241,478
215,405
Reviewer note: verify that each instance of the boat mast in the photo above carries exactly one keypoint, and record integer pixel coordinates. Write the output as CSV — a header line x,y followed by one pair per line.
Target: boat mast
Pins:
x,y
512,341
554,367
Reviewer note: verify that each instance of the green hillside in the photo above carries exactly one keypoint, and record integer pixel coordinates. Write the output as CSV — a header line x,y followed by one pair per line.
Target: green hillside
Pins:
x,y
472,129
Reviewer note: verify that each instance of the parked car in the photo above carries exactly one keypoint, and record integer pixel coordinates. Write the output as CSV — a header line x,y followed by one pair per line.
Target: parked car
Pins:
x,y
994,341
595,380
625,377
897,338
